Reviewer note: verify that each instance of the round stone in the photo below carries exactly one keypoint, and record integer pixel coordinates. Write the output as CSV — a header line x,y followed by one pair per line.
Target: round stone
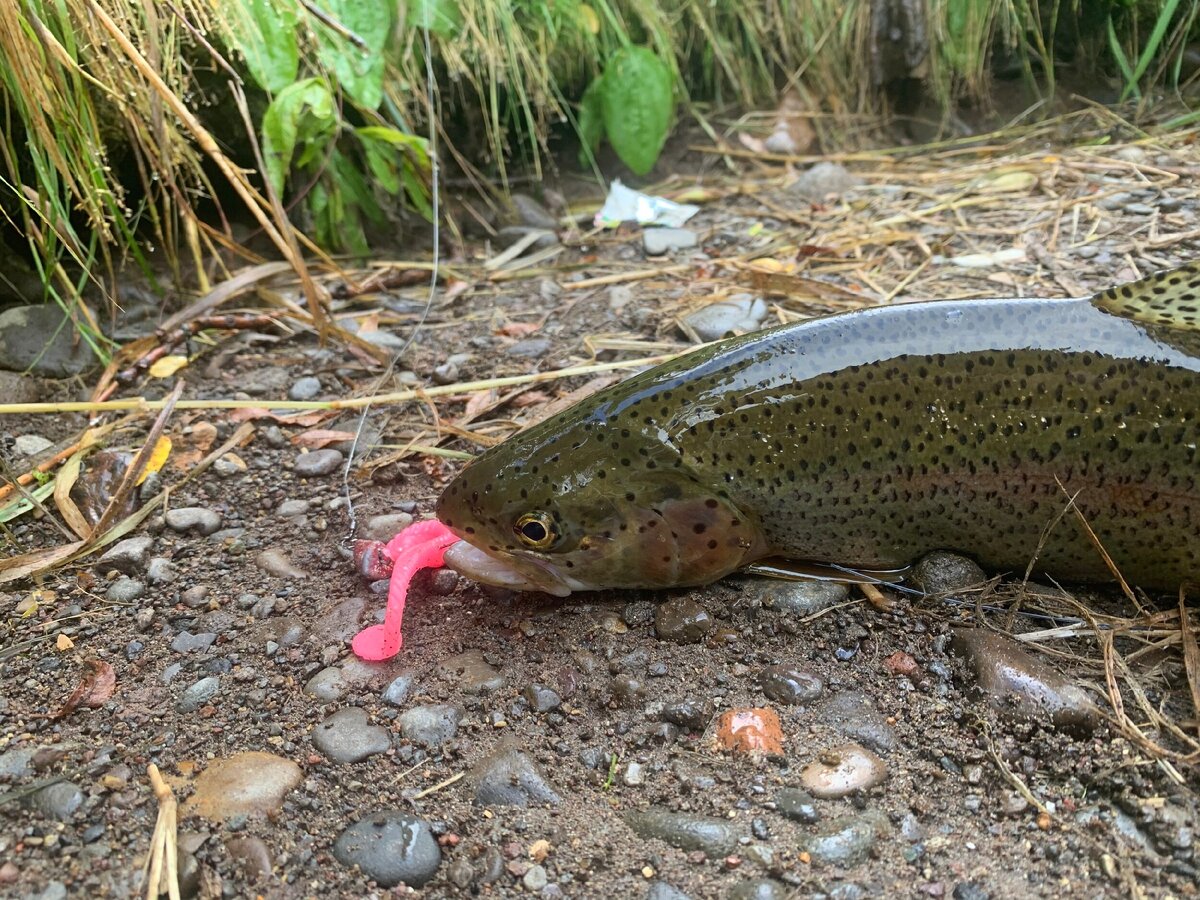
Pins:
x,y
390,847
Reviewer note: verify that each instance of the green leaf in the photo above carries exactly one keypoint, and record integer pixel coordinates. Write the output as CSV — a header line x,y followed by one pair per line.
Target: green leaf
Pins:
x,y
302,114
359,69
637,104
442,17
591,122
265,34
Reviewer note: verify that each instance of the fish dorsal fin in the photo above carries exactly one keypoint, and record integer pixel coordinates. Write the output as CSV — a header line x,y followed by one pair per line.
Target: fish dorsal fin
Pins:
x,y
1170,299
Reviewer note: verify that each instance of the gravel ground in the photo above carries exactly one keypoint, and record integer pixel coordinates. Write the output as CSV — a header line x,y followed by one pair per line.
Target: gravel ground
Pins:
x,y
751,739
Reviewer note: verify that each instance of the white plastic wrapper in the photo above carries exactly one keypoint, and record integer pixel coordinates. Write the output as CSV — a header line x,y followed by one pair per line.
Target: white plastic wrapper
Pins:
x,y
627,205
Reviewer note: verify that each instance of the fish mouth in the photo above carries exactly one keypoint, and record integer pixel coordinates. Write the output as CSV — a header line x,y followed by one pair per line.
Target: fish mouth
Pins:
x,y
471,562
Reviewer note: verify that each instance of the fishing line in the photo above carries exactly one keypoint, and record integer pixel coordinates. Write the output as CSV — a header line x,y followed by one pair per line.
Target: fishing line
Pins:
x,y
434,171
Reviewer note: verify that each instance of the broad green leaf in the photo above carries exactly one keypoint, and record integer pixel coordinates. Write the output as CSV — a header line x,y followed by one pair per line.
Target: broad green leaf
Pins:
x,y
359,69
307,104
637,104
591,122
264,32
442,17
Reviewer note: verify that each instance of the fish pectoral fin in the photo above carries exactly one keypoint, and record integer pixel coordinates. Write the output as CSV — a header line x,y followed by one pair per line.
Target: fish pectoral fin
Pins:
x,y
1170,299
802,570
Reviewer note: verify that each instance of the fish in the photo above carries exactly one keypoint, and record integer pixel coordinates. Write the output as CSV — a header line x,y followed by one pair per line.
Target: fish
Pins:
x,y
866,439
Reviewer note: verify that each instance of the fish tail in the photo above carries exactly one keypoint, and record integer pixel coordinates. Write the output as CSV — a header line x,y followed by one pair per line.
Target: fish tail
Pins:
x,y
1170,299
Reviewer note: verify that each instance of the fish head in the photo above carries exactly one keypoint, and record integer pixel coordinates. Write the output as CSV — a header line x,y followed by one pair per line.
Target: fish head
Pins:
x,y
578,512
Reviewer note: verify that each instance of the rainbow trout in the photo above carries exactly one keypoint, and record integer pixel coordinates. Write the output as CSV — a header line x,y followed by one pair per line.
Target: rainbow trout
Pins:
x,y
867,439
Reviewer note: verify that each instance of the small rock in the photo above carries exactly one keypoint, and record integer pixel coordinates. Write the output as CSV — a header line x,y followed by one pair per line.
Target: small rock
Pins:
x,y
941,572
397,691
305,388
56,890
635,774
750,730
715,321
186,642
658,241
327,685
384,528
759,889
660,890
59,800
290,509
541,698
530,348
539,238
198,694
30,444
252,856
195,596
535,878
970,890
318,463
855,716
1021,687
797,804
790,685
845,841
128,556
474,674
823,180
125,590
430,726
685,831
682,620
41,340
509,777
276,562
691,714
243,784
843,770
16,764
160,571
797,598
348,737
390,847
196,519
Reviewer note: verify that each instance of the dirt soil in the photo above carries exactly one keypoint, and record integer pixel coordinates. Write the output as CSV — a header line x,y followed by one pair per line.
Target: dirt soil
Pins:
x,y
544,727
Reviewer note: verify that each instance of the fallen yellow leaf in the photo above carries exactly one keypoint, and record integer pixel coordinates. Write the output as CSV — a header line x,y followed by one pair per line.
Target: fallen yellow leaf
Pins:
x,y
167,366
158,458
64,643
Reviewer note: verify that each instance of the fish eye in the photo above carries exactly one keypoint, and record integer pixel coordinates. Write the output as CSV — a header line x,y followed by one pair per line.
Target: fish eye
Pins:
x,y
536,530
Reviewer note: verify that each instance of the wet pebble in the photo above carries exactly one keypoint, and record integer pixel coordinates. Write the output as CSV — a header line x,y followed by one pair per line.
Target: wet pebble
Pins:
x,y
431,725
658,241
685,831
252,856
199,694
1022,687
509,777
541,698
276,562
474,674
125,590
318,462
390,847
843,770
942,572
797,804
197,519
384,528
59,800
347,736
750,730
691,714
396,693
716,320
243,784
327,685
305,388
790,685
160,571
854,715
845,841
970,890
797,598
128,556
759,889
682,620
